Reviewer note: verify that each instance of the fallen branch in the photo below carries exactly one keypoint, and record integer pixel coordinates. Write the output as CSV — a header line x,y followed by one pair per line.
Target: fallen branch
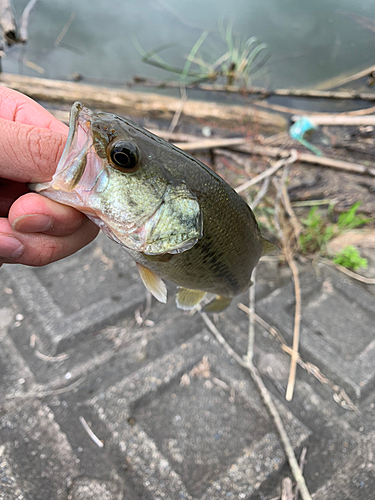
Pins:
x,y
306,158
261,91
267,399
129,103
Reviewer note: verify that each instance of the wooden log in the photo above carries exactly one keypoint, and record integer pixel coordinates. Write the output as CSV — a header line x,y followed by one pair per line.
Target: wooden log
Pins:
x,y
142,104
7,21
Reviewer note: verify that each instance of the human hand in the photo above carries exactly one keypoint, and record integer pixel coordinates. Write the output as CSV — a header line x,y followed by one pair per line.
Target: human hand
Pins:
x,y
34,230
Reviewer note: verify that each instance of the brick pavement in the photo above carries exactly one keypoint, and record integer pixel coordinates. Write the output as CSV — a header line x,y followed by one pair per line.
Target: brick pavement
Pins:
x,y
71,350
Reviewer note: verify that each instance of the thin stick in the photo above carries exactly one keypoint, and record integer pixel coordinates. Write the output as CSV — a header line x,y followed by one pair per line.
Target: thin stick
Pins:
x,y
287,491
297,323
358,277
307,158
95,438
178,112
362,111
263,92
211,143
302,461
266,396
270,171
64,31
297,228
51,359
52,392
338,81
262,192
250,344
309,367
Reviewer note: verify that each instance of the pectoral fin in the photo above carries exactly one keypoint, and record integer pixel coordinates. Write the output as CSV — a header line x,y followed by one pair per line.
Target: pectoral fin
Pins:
x,y
186,298
153,283
218,304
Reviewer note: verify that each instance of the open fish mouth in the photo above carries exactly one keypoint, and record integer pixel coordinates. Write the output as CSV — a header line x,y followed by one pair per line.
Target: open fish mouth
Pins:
x,y
76,177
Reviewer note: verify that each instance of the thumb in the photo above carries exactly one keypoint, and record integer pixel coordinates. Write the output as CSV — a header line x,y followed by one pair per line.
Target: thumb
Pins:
x,y
29,153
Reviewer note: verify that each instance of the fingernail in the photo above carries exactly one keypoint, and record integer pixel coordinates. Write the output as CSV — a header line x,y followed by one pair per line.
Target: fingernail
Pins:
x,y
10,247
37,223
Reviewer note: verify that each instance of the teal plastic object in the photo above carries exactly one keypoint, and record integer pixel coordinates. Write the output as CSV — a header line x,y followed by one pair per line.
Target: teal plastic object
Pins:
x,y
298,131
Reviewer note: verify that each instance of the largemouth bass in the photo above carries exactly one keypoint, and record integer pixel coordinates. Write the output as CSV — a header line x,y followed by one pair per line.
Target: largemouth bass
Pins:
x,y
177,219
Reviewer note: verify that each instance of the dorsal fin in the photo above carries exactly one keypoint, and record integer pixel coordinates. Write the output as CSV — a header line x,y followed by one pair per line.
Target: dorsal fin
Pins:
x,y
153,283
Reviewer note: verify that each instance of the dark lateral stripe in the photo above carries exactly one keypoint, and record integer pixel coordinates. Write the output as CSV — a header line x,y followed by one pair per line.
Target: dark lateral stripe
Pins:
x,y
217,266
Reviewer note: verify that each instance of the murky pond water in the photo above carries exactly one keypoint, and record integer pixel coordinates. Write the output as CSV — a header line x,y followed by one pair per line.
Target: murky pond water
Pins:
x,y
308,40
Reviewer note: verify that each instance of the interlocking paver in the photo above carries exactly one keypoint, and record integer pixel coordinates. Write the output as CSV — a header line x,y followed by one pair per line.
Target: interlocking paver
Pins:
x,y
71,348
337,328
38,453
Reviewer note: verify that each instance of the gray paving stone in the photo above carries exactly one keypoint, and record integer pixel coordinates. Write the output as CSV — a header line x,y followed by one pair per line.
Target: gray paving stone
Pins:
x,y
191,442
95,286
9,489
207,440
356,480
15,376
38,453
90,489
337,329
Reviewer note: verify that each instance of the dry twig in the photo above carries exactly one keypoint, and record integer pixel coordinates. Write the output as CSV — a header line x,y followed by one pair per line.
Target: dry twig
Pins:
x,y
339,395
210,143
269,405
287,490
263,92
178,112
64,31
93,436
358,277
269,172
324,161
251,339
297,323
302,461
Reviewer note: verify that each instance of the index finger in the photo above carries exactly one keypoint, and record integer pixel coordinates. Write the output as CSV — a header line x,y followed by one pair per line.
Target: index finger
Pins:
x,y
17,107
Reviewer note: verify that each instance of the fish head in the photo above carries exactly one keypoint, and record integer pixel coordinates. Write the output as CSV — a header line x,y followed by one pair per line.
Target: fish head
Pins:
x,y
112,170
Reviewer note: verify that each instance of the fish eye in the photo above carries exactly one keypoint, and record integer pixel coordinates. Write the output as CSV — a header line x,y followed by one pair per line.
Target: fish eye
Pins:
x,y
125,155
